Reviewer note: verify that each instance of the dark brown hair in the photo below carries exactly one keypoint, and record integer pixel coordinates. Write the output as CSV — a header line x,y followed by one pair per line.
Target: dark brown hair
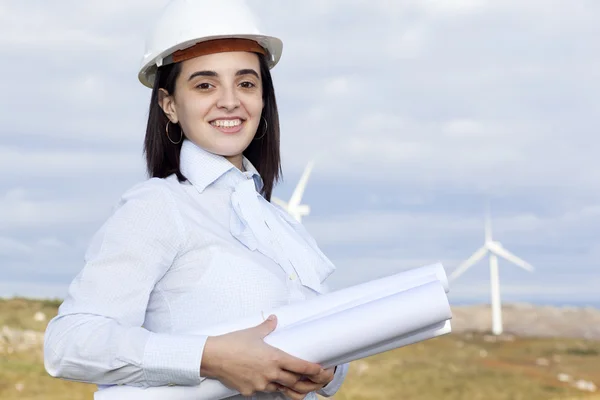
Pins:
x,y
162,156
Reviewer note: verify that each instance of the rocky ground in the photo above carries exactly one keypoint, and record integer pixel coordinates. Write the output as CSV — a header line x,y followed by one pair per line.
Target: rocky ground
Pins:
x,y
531,320
16,340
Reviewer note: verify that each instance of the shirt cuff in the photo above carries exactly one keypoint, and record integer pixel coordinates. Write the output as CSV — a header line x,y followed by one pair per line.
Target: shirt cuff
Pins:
x,y
173,359
338,378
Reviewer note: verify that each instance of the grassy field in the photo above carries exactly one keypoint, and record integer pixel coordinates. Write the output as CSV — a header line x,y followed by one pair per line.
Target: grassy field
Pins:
x,y
456,366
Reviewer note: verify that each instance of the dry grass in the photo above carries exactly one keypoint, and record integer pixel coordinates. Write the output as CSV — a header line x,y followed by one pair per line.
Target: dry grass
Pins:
x,y
18,312
25,371
450,368
456,367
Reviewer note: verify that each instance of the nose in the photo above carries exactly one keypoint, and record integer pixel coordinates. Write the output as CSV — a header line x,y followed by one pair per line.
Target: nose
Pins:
x,y
228,99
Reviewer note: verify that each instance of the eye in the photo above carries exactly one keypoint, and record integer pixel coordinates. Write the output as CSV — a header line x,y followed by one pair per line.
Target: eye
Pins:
x,y
204,86
247,85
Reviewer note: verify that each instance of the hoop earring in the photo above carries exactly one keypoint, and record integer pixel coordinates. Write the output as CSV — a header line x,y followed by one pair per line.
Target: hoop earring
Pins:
x,y
264,129
171,140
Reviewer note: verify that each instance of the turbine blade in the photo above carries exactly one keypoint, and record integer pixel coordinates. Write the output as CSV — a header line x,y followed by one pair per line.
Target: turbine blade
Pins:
x,y
279,202
488,223
299,191
478,255
507,255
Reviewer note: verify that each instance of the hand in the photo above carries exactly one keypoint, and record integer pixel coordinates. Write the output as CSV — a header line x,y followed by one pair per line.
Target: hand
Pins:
x,y
310,383
241,360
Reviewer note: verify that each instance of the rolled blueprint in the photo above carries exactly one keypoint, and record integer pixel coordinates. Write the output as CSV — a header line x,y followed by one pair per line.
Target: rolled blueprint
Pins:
x,y
392,344
352,323
339,300
351,331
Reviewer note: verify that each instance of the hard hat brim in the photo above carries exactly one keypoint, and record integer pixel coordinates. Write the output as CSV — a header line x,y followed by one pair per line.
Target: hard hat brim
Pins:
x,y
273,46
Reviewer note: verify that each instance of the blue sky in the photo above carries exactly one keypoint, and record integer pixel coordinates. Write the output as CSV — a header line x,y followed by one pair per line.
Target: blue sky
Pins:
x,y
416,112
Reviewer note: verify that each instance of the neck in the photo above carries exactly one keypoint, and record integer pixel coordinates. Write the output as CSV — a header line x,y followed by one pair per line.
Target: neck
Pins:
x,y
236,160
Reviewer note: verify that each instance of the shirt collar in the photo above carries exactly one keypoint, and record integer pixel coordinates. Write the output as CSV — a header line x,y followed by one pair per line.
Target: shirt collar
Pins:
x,y
202,168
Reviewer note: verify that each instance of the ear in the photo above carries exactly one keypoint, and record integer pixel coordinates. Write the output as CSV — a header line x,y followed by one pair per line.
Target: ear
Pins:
x,y
167,103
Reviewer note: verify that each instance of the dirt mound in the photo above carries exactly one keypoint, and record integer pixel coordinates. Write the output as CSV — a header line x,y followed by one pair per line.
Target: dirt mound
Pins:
x,y
531,320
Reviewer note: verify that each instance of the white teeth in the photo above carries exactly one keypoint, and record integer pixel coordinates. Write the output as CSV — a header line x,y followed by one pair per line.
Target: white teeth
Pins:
x,y
227,123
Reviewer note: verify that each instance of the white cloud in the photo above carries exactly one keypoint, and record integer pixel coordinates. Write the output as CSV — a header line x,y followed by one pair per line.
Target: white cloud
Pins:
x,y
486,156
51,243
385,227
70,24
64,163
10,246
453,8
389,227
337,86
463,128
19,210
429,97
409,44
80,61
26,251
493,117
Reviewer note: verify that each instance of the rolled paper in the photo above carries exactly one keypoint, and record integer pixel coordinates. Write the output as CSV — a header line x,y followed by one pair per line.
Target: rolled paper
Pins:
x,y
343,326
392,344
339,300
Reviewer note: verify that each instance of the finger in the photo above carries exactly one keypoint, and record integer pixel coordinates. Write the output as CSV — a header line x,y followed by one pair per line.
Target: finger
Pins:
x,y
298,366
325,376
292,394
266,327
272,388
287,378
305,387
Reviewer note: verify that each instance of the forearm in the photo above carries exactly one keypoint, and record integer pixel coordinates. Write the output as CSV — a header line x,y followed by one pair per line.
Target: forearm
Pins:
x,y
95,349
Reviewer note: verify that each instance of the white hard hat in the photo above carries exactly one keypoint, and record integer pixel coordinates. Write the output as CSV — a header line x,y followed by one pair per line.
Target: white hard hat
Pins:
x,y
184,23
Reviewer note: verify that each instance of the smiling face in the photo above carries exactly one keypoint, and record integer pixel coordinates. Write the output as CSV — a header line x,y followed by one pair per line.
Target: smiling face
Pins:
x,y
218,102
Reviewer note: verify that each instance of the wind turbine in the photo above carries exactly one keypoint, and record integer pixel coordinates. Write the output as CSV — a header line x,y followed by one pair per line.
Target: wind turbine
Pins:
x,y
494,249
293,206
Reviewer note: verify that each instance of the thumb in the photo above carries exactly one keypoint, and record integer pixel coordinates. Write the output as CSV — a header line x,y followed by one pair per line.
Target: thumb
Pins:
x,y
267,326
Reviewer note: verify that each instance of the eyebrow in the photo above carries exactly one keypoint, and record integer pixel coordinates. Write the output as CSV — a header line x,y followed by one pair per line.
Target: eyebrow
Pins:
x,y
247,71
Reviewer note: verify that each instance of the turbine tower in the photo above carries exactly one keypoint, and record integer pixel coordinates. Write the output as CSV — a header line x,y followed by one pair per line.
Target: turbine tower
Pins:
x,y
494,250
293,206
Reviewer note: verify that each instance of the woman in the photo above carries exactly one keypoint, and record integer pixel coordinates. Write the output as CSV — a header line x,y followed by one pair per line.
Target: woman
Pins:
x,y
199,242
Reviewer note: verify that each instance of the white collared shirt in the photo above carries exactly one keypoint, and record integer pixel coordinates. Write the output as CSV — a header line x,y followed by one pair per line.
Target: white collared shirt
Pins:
x,y
175,257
